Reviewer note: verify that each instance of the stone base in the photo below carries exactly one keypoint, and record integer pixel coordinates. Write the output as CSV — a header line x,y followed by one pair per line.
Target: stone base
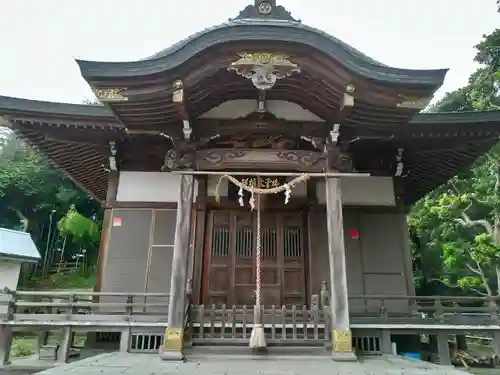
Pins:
x,y
344,357
260,351
172,349
171,355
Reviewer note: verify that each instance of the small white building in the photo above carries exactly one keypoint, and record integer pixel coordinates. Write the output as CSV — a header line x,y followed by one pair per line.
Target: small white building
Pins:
x,y
16,248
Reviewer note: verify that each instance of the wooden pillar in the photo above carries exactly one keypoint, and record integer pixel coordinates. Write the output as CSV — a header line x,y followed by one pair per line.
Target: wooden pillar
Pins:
x,y
106,228
174,334
386,343
443,348
341,330
65,343
5,344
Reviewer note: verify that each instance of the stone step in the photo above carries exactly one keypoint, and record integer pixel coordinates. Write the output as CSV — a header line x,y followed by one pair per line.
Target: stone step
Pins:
x,y
243,351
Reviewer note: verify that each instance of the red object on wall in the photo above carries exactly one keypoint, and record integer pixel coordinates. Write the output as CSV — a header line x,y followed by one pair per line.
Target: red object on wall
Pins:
x,y
117,222
354,234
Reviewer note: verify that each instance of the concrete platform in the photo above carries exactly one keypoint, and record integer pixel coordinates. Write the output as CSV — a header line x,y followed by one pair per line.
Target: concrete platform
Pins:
x,y
149,364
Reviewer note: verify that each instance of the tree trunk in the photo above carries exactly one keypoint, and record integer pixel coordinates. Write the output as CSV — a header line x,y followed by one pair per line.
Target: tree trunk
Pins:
x,y
23,219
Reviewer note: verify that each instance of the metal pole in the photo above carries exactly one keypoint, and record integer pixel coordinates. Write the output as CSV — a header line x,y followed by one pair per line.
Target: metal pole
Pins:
x,y
274,174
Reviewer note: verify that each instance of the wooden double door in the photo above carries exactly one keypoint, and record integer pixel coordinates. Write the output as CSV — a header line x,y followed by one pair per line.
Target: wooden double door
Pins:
x,y
229,270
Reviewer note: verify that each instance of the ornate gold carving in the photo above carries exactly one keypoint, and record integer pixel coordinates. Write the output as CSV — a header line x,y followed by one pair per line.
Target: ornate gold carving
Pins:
x,y
264,68
416,103
110,94
342,341
174,339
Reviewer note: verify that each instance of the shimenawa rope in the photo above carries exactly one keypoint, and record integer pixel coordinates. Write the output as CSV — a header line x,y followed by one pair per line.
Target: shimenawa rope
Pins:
x,y
257,338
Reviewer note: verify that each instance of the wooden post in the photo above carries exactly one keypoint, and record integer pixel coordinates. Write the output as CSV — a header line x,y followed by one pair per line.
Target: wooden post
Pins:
x,y
5,344
443,348
341,330
174,334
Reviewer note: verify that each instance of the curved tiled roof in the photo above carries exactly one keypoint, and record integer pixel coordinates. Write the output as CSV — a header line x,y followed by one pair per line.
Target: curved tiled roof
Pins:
x,y
262,30
53,108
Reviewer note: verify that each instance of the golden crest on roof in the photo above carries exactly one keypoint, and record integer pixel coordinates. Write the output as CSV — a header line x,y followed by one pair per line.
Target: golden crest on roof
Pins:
x,y
264,68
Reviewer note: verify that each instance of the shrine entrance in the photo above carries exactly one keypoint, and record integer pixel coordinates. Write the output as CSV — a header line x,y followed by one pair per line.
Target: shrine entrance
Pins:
x,y
229,259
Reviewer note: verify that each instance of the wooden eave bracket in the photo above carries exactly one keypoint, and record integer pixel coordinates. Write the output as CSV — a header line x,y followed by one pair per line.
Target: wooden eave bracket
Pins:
x,y
345,108
399,163
178,99
112,162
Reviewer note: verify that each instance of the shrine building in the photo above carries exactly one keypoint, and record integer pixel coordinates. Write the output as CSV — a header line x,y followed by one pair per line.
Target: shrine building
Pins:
x,y
264,100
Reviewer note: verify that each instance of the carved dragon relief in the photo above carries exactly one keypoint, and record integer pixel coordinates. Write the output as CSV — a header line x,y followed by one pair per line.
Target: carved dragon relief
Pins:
x,y
180,155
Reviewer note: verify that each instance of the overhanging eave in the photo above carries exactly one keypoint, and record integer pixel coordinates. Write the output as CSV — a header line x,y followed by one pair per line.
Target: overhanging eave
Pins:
x,y
261,31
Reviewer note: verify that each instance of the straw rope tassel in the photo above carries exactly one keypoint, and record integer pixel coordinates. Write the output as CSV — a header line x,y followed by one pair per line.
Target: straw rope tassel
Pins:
x,y
258,338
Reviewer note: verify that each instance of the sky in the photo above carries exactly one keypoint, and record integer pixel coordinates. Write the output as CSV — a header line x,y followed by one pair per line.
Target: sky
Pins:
x,y
39,39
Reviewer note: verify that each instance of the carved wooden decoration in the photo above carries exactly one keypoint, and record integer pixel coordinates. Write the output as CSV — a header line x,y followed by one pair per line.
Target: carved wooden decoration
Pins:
x,y
338,160
255,159
257,141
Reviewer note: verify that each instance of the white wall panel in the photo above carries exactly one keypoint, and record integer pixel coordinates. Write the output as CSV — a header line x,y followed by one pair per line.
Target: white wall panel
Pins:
x,y
149,187
362,191
282,109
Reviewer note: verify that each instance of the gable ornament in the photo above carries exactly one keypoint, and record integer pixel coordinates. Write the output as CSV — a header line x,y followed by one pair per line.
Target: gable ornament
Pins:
x,y
264,68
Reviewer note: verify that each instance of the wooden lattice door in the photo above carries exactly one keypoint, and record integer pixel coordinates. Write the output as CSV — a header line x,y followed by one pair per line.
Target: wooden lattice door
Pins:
x,y
230,256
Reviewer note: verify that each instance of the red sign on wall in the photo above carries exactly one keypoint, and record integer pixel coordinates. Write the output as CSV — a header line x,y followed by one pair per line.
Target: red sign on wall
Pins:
x,y
354,234
117,221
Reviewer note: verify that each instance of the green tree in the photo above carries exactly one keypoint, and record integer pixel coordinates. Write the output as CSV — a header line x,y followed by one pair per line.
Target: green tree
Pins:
x,y
458,224
34,197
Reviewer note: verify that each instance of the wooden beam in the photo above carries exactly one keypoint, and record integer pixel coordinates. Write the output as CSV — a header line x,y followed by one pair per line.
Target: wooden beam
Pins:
x,y
174,334
271,174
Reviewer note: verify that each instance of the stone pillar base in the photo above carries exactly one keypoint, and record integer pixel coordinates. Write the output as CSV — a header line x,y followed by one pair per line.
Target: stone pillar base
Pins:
x,y
344,357
173,346
171,355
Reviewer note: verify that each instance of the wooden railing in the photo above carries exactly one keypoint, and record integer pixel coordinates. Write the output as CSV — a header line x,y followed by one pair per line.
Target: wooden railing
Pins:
x,y
282,324
427,310
53,306
131,315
